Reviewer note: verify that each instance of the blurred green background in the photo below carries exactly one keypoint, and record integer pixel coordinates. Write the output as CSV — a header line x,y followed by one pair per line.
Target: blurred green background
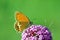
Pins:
x,y
43,12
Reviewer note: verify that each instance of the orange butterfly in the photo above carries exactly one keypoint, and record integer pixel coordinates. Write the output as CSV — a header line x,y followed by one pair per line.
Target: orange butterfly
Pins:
x,y
22,21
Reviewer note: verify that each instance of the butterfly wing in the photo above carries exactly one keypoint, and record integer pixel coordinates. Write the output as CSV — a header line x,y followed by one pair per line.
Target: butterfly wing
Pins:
x,y
21,17
22,20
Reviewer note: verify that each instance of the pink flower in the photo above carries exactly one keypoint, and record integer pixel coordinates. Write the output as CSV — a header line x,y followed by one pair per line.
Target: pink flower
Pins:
x,y
36,32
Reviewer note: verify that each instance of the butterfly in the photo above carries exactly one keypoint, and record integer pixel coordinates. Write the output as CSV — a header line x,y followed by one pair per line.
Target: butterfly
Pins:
x,y
22,21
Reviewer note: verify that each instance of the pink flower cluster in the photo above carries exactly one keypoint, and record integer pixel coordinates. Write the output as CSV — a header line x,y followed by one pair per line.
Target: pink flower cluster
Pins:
x,y
36,32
